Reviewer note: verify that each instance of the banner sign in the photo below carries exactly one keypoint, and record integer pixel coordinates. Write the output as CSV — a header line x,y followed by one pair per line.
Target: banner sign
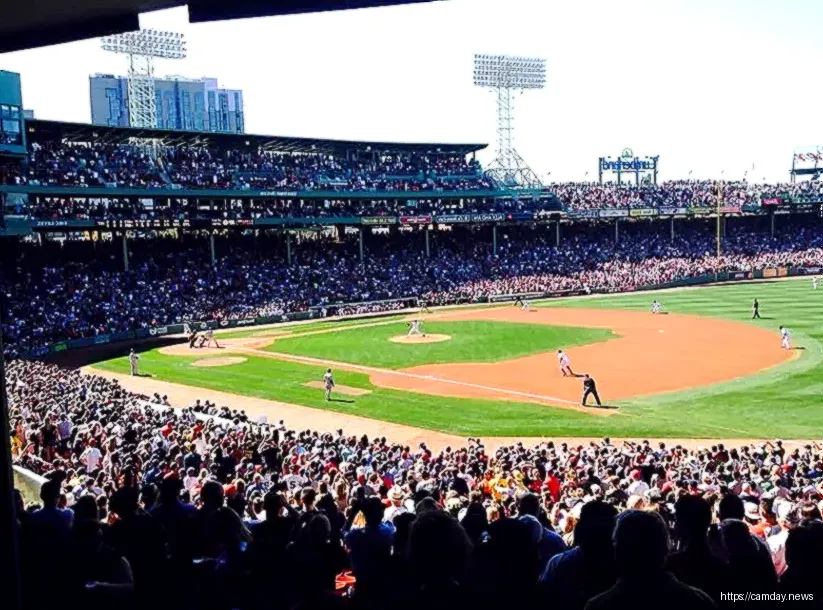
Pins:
x,y
489,217
453,218
613,213
520,217
48,224
730,209
378,220
101,339
628,163
585,213
233,222
741,275
700,211
808,199
415,220
642,212
671,211
154,223
278,193
773,201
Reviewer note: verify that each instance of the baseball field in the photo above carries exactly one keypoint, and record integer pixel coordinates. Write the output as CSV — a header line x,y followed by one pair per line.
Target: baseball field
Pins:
x,y
701,369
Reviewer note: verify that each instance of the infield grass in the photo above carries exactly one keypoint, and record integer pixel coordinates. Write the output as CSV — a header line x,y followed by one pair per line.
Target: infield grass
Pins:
x,y
785,402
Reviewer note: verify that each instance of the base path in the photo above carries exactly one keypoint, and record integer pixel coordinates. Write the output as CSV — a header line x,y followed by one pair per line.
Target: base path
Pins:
x,y
653,354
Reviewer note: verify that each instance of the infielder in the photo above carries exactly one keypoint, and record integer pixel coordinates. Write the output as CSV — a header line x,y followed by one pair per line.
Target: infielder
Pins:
x,y
328,383
655,307
416,328
134,363
423,305
785,338
564,364
525,306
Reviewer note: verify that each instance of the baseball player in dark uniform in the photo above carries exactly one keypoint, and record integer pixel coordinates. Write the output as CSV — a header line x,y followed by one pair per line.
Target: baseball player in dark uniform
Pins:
x,y
590,389
755,309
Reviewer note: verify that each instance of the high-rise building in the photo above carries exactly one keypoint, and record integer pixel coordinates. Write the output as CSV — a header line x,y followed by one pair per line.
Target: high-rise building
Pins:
x,y
12,134
182,103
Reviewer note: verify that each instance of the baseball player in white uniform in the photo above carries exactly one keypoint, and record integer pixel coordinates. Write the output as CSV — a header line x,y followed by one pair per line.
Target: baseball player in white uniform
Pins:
x,y
564,364
416,328
134,362
328,383
815,282
785,338
655,307
210,338
525,306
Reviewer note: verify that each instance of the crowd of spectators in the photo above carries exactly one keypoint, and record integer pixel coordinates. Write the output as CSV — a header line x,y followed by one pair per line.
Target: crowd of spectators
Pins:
x,y
59,291
146,505
675,194
126,166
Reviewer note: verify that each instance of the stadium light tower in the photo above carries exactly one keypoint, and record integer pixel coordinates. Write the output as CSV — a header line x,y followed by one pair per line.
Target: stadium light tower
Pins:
x,y
143,47
505,74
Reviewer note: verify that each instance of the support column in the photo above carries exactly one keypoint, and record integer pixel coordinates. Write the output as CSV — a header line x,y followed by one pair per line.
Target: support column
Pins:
x,y
428,251
494,239
557,234
671,228
725,221
288,248
125,252
360,236
616,230
773,217
211,246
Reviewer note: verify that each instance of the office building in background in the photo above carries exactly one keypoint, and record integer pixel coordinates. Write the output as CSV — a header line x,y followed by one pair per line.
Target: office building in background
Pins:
x,y
182,103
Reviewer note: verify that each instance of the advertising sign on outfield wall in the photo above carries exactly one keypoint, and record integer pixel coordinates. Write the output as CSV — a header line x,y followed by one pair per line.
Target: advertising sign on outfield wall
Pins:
x,y
378,220
585,213
613,213
449,219
490,217
415,220
730,209
642,212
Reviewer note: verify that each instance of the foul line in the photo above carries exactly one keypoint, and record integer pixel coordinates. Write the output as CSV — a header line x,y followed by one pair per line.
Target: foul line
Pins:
x,y
371,369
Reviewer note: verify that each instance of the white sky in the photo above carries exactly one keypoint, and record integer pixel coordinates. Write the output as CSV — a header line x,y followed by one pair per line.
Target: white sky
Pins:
x,y
709,85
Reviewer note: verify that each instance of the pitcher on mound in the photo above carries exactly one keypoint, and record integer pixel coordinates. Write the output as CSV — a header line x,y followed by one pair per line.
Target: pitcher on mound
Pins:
x,y
416,329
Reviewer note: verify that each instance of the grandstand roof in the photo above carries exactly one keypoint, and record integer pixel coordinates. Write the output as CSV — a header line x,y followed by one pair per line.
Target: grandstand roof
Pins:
x,y
84,132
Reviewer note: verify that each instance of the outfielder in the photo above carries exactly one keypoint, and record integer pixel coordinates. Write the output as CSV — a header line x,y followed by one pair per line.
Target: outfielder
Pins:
x,y
785,338
328,383
134,362
655,306
416,328
564,364
815,282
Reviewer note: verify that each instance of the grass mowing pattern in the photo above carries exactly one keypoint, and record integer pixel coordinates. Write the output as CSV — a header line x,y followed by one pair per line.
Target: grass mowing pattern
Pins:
x,y
785,402
472,341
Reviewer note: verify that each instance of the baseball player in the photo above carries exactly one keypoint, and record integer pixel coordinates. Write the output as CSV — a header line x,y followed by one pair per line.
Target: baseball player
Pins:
x,y
525,306
785,338
423,305
815,282
416,328
564,364
328,383
192,339
210,338
518,301
590,389
134,362
755,310
655,306
186,329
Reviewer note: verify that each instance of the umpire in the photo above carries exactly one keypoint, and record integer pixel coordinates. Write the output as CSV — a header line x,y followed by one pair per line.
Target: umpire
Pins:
x,y
590,389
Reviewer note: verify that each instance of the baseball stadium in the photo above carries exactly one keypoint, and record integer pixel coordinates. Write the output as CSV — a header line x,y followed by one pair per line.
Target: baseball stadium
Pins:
x,y
252,371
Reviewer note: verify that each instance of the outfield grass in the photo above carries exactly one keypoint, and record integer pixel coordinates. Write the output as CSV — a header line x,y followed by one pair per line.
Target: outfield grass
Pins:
x,y
472,341
786,401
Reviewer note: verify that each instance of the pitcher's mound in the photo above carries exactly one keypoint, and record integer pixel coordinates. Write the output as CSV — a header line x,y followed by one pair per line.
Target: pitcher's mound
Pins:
x,y
225,361
418,339
340,389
